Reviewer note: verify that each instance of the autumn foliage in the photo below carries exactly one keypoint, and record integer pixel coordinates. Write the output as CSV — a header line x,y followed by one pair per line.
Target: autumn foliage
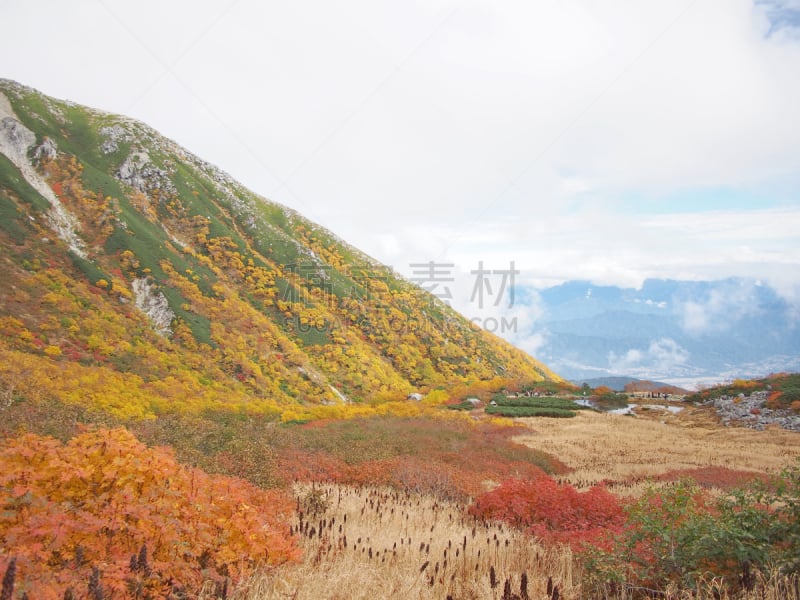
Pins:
x,y
104,503
449,457
247,323
552,511
782,389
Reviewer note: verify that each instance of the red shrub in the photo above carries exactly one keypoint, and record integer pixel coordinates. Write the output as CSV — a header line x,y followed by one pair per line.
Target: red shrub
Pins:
x,y
299,465
552,511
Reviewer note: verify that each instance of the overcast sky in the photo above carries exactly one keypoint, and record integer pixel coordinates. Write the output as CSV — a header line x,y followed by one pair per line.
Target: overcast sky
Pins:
x,y
606,140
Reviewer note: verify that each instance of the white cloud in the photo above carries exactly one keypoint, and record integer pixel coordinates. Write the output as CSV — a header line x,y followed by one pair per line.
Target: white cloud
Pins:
x,y
609,249
531,343
720,309
469,131
489,295
661,356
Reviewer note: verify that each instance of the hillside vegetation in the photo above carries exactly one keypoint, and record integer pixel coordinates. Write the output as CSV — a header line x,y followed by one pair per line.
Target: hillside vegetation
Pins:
x,y
142,280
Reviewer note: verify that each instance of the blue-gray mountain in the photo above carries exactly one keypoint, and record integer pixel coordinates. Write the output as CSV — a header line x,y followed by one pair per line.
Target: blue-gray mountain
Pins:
x,y
677,331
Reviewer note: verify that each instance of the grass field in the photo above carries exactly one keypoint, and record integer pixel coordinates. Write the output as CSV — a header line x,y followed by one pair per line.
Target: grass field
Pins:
x,y
378,543
626,452
367,542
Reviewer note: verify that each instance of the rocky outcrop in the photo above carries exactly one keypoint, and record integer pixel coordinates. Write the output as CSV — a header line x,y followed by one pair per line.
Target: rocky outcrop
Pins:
x,y
340,395
16,138
751,411
47,150
154,304
113,135
138,171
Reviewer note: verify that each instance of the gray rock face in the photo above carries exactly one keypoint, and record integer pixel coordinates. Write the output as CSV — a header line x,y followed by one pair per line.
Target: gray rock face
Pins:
x,y
154,304
18,137
751,411
113,136
138,171
47,150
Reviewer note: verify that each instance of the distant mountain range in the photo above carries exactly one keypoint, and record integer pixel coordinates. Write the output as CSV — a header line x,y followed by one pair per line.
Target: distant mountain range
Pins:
x,y
680,332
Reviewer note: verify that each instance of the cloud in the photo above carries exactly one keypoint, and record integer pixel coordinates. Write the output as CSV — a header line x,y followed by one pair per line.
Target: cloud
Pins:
x,y
474,130
661,356
531,343
607,248
720,309
493,296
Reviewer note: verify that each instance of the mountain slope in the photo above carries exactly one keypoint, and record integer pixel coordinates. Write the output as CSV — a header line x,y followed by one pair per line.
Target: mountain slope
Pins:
x,y
141,279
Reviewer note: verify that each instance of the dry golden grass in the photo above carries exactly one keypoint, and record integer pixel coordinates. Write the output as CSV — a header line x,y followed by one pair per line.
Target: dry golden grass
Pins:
x,y
766,587
627,451
393,545
379,543
402,546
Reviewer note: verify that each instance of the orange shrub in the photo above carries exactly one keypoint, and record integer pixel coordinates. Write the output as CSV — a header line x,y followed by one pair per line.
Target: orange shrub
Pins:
x,y
773,400
106,501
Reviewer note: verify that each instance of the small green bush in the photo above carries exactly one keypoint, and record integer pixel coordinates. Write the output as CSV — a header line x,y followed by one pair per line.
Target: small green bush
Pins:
x,y
532,402
460,406
681,536
529,411
611,401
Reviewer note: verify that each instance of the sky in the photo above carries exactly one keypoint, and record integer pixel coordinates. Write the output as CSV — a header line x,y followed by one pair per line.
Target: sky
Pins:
x,y
609,141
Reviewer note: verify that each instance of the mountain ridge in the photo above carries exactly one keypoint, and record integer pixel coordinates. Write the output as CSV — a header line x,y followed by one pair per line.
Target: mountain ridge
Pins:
x,y
122,247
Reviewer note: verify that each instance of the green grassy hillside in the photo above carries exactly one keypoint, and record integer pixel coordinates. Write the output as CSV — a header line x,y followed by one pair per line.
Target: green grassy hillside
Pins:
x,y
141,280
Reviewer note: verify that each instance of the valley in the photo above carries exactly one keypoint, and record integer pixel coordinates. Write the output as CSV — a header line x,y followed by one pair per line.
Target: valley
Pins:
x,y
203,394
405,544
